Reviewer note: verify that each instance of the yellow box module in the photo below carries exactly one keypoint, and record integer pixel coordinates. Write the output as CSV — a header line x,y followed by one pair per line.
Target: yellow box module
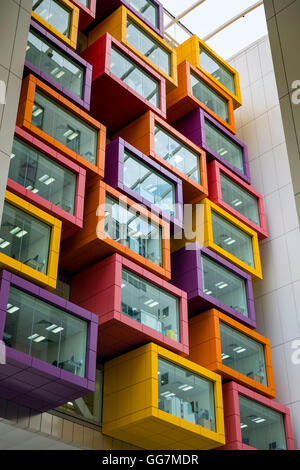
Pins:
x,y
156,399
142,40
200,55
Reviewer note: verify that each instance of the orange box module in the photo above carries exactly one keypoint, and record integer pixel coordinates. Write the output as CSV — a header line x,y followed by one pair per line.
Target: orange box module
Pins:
x,y
187,162
60,17
196,89
59,123
232,350
114,223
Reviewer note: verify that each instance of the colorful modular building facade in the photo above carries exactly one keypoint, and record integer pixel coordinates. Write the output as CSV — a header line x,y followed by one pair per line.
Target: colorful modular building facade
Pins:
x,y
129,197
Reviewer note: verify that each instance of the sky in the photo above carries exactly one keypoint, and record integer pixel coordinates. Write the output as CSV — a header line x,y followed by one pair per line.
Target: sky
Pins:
x,y
212,14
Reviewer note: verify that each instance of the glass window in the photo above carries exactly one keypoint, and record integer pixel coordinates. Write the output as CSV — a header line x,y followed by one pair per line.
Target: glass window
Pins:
x,y
224,285
149,47
147,9
42,176
56,14
186,395
148,184
217,70
177,154
232,239
24,238
48,333
136,78
89,406
261,427
223,146
86,3
209,97
133,230
68,129
150,305
243,354
239,199
50,60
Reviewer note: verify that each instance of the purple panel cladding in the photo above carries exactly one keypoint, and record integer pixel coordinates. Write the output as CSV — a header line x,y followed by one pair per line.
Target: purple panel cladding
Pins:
x,y
32,382
192,126
105,8
114,176
84,102
187,275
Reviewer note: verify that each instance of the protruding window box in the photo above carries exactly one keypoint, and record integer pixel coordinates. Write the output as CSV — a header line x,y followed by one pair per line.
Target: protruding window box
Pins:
x,y
218,230
138,176
116,224
60,17
87,12
237,197
48,180
133,306
219,144
232,350
197,53
29,241
170,149
212,282
142,41
54,62
62,125
165,401
254,422
124,87
195,89
149,12
50,346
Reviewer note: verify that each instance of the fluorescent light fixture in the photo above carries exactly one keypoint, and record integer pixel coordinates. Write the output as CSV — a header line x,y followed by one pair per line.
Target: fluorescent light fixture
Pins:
x,y
244,425
219,284
241,350
72,137
35,190
35,335
207,291
231,242
51,327
39,339
27,48
189,387
154,188
164,394
153,304
15,230
8,306
37,112
54,71
4,244
148,302
224,356
29,187
122,286
68,132
60,74
13,309
223,285
70,403
49,181
170,395
224,152
44,178
58,329
21,234
12,155
258,420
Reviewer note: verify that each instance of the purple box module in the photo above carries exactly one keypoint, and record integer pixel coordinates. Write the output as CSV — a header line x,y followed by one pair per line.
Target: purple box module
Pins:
x,y
212,282
228,149
58,66
50,346
144,180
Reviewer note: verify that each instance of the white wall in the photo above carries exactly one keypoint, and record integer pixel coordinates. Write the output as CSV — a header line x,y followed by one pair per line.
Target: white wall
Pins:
x,y
277,297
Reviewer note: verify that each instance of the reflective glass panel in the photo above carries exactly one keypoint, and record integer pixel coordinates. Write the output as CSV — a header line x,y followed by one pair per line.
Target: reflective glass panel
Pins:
x,y
223,146
262,427
25,238
217,70
239,199
50,60
243,354
136,78
48,333
150,305
224,285
133,230
209,97
147,9
147,183
186,395
177,154
232,239
149,47
56,14
65,127
42,176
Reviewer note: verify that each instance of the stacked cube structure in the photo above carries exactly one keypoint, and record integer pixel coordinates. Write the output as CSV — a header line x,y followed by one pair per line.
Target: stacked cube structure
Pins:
x,y
127,179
